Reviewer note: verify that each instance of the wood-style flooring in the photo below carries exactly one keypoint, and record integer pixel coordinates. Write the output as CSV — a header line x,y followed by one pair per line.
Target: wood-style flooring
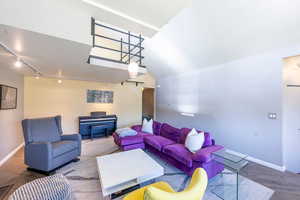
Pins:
x,y
286,185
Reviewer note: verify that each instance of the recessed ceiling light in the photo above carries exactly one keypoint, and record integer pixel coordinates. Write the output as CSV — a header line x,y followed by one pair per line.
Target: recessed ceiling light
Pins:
x,y
101,6
18,63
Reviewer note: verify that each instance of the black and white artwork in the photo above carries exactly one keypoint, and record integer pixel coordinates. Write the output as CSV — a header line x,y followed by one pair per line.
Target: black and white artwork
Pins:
x,y
100,96
8,97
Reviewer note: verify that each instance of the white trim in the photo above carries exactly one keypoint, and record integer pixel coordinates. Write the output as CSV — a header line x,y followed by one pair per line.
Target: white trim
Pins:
x,y
6,158
101,6
258,161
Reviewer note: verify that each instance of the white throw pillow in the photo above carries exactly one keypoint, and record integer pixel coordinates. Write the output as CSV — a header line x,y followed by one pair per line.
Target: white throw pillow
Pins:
x,y
147,126
194,140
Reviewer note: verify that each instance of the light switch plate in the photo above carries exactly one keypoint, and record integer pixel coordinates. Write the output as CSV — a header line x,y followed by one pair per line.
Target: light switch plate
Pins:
x,y
272,115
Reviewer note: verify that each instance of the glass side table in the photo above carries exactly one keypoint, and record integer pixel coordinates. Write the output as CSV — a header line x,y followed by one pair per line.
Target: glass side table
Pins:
x,y
234,164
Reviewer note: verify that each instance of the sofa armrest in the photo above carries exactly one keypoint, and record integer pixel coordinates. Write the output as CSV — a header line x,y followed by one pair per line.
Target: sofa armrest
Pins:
x,y
204,155
213,142
39,155
73,137
137,128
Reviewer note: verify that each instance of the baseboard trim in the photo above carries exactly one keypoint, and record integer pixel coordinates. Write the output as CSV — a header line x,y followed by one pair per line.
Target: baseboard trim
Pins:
x,y
6,158
258,161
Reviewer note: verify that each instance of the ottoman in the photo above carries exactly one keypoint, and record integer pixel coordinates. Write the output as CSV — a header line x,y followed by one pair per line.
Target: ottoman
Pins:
x,y
129,142
52,187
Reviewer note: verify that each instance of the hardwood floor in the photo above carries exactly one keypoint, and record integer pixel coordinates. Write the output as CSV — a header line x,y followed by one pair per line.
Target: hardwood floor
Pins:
x,y
286,185
14,174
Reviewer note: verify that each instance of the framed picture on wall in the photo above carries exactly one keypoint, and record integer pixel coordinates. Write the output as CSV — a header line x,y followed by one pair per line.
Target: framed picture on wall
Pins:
x,y
8,97
99,96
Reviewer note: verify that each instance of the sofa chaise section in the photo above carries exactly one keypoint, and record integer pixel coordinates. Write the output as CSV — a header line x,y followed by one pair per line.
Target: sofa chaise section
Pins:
x,y
136,141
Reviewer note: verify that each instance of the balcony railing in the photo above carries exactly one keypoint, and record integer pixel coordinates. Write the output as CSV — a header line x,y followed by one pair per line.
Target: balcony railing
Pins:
x,y
114,45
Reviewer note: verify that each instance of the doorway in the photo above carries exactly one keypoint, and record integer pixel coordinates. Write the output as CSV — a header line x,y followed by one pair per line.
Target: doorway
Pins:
x,y
291,113
148,103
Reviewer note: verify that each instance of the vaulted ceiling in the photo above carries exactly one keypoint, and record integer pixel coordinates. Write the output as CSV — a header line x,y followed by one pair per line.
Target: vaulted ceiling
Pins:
x,y
212,32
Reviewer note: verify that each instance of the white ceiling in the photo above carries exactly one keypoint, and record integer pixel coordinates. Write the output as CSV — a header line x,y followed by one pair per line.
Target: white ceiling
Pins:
x,y
54,57
54,35
212,32
154,12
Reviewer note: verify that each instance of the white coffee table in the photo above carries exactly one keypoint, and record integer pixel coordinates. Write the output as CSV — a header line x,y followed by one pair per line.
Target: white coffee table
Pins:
x,y
123,170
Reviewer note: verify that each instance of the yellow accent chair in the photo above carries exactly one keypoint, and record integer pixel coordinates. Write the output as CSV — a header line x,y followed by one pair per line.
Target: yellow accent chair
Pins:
x,y
163,191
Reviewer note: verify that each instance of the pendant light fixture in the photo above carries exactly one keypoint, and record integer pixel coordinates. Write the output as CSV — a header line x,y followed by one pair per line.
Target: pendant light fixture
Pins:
x,y
133,70
18,63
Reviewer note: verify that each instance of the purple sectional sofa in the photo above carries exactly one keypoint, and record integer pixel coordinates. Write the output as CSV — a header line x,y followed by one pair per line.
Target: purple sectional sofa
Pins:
x,y
167,142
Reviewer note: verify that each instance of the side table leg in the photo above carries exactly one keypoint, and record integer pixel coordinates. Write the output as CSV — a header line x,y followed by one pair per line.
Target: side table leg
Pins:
x,y
237,185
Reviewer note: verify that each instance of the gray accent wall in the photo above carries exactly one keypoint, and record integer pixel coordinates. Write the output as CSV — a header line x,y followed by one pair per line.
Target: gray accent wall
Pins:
x,y
232,101
222,64
10,120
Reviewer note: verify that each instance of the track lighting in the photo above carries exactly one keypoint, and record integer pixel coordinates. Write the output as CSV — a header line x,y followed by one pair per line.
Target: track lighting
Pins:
x,y
19,63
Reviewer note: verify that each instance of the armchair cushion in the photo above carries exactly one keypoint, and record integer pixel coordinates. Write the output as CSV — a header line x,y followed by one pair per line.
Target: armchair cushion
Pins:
x,y
75,137
204,155
139,193
44,129
62,147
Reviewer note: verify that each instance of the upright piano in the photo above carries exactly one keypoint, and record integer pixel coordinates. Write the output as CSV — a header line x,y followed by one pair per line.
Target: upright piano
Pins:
x,y
95,126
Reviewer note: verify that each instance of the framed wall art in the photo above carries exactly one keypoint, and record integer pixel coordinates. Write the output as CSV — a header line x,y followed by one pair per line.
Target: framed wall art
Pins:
x,y
100,96
8,97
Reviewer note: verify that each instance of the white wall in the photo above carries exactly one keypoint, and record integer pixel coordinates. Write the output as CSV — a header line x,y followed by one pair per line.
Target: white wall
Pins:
x,y
11,135
291,113
45,97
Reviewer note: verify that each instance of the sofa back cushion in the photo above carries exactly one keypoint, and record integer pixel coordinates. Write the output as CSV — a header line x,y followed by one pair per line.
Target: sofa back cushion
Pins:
x,y
170,132
185,132
156,127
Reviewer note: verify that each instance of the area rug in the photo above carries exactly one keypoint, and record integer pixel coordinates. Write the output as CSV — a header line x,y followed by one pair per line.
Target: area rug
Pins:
x,y
83,177
4,190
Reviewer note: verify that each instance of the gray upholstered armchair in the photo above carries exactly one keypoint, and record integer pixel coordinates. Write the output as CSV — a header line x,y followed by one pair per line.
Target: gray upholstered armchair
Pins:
x,y
45,146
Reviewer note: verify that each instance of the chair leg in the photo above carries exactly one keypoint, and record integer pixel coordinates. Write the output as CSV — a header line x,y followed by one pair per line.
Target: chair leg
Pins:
x,y
41,172
76,160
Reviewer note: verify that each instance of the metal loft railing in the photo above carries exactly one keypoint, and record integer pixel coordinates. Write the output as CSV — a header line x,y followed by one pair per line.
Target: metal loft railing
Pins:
x,y
111,44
